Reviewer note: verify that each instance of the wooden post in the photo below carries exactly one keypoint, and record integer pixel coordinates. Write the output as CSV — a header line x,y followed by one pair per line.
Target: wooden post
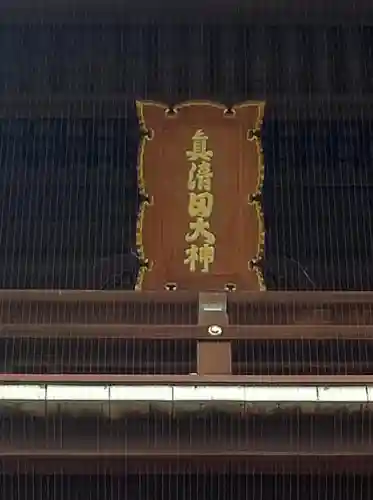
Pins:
x,y
214,353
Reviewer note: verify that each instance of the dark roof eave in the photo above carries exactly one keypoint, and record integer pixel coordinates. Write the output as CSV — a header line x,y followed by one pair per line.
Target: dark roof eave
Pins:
x,y
123,11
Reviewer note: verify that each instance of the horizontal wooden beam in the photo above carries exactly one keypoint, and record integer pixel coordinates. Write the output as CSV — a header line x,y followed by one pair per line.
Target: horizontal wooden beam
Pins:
x,y
268,297
175,454
193,380
164,332
186,366
229,436
177,315
260,464
89,296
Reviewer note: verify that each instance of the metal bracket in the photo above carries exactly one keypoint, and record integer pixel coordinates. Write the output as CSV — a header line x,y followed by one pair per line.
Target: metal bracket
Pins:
x,y
212,309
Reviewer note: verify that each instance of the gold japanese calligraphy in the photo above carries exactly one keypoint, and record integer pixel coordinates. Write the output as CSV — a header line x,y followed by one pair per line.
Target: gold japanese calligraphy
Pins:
x,y
200,228
200,204
199,151
200,177
200,254
198,167
203,255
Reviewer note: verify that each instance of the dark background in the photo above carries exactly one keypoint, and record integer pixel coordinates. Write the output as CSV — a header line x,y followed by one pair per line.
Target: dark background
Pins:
x,y
69,137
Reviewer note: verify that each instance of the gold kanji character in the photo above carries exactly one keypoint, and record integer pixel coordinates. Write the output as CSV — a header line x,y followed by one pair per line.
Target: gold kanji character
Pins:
x,y
200,228
192,258
200,177
199,151
200,205
204,255
191,179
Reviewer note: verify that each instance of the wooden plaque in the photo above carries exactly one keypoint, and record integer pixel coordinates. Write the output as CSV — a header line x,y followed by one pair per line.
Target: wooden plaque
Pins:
x,y
200,224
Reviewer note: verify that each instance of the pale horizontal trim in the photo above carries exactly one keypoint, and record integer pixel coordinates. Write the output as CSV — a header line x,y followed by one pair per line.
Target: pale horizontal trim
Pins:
x,y
176,393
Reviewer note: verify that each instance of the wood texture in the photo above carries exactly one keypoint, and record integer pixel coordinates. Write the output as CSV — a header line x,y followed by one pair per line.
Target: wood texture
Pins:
x,y
233,230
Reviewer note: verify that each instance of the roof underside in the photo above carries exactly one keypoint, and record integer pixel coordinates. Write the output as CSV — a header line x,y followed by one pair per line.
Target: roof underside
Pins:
x,y
269,10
